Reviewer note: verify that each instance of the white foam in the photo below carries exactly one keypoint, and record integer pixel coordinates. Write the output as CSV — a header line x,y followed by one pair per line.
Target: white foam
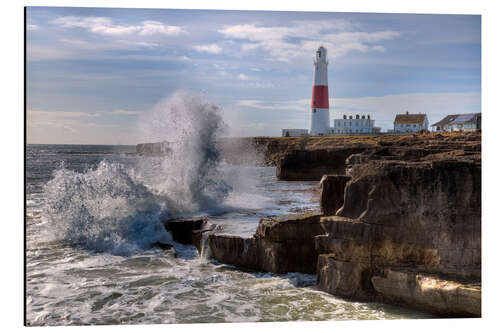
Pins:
x,y
119,209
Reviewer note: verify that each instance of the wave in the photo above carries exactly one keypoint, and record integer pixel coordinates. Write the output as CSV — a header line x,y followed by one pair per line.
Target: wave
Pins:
x,y
120,209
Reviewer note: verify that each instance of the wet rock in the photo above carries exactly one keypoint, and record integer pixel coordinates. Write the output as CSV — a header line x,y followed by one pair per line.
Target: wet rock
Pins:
x,y
163,246
280,245
182,229
166,247
197,235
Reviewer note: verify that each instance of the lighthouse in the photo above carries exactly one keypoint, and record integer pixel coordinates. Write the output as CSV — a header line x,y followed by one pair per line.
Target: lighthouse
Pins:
x,y
320,115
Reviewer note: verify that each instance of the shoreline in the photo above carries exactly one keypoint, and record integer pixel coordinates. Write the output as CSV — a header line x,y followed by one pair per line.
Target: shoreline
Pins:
x,y
400,220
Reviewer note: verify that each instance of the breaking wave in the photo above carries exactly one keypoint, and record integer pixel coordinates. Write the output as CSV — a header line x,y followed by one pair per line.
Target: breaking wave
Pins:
x,y
119,209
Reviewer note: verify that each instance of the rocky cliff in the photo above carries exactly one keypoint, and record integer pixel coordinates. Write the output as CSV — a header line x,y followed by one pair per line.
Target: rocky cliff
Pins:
x,y
408,229
400,223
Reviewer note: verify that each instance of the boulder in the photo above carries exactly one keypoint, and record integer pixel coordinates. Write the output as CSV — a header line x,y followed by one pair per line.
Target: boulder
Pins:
x,y
182,229
280,245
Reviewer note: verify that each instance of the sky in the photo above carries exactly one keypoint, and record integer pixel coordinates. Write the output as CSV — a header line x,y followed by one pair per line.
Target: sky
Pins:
x,y
92,73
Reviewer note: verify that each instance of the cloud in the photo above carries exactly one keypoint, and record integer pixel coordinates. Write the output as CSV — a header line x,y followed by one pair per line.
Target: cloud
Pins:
x,y
32,27
76,128
126,112
302,38
154,27
38,52
210,48
46,123
82,49
243,77
106,26
120,44
249,46
262,84
296,105
61,114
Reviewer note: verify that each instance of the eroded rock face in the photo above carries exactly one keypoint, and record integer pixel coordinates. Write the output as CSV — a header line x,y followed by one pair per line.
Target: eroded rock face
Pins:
x,y
280,245
332,193
313,164
426,292
406,210
434,207
344,278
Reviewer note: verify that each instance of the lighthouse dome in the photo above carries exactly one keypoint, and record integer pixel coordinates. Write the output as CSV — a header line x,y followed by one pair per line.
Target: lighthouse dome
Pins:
x,y
321,53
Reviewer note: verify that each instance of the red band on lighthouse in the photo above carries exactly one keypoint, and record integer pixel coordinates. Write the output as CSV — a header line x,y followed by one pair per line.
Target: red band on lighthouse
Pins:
x,y
320,97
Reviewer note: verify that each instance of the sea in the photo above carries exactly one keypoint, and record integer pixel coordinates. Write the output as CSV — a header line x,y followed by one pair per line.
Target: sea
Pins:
x,y
93,213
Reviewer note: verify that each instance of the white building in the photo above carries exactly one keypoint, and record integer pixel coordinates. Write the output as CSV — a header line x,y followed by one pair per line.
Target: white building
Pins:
x,y
354,125
459,122
294,132
411,123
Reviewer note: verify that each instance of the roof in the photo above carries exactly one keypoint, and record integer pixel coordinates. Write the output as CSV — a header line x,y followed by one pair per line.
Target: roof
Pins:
x,y
454,119
410,118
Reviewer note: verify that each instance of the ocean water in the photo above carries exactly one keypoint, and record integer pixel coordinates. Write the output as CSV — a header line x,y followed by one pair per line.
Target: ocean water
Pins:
x,y
93,213
93,263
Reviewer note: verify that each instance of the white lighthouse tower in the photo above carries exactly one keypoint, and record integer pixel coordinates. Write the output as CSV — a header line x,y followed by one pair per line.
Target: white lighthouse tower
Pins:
x,y
320,115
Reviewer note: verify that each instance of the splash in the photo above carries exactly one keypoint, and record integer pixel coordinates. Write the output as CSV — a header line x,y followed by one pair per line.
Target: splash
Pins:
x,y
104,209
118,209
191,174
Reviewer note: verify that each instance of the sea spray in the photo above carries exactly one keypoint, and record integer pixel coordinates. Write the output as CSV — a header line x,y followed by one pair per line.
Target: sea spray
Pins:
x,y
118,209
205,250
190,175
103,209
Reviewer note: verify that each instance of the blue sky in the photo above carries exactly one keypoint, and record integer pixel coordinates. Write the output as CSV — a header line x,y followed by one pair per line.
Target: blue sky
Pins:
x,y
93,72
